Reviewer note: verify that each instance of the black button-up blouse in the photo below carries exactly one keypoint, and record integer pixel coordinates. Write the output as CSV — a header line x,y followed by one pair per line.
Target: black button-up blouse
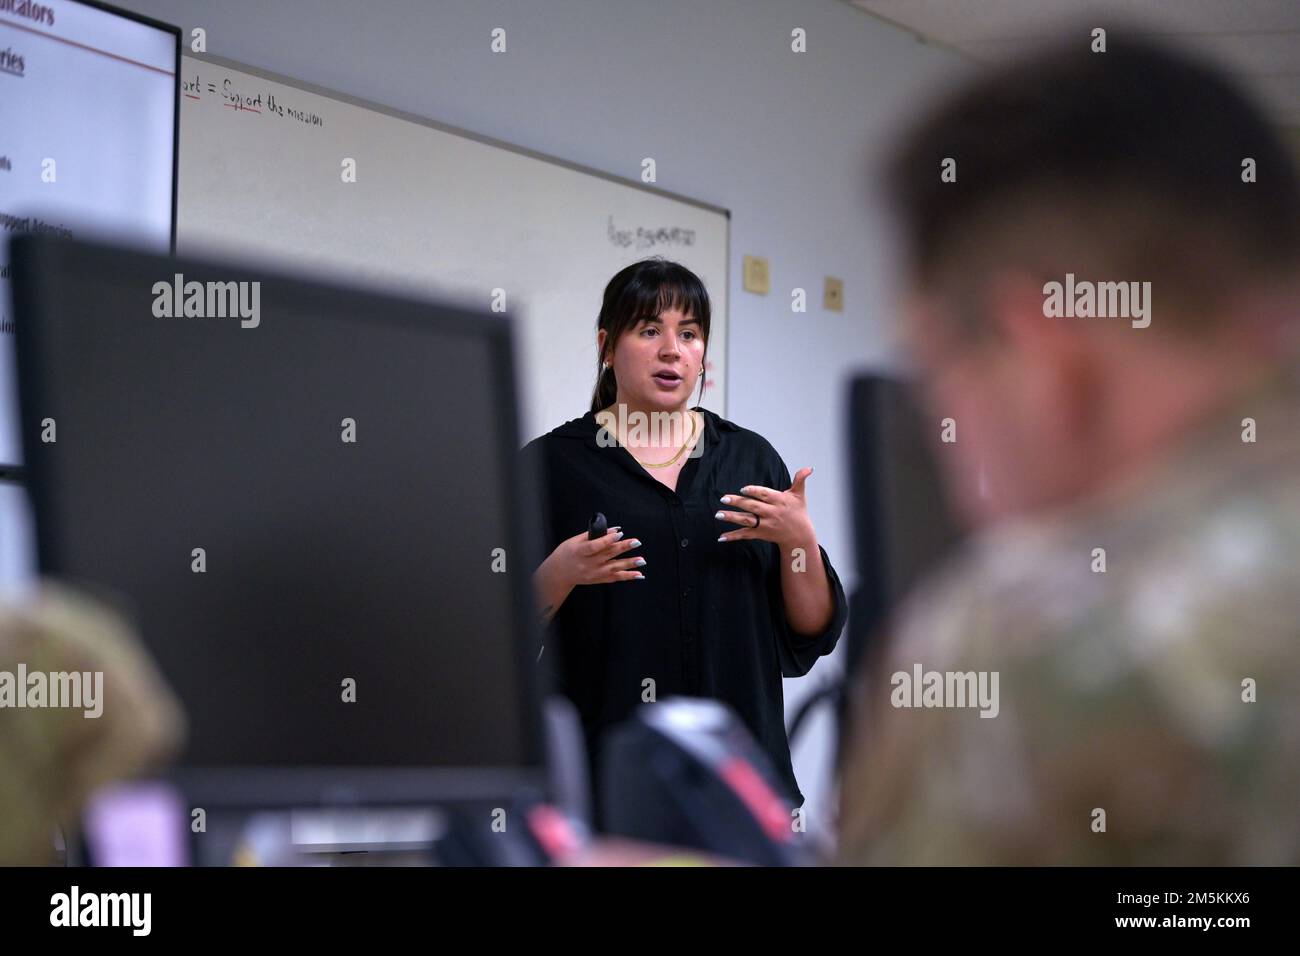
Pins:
x,y
708,620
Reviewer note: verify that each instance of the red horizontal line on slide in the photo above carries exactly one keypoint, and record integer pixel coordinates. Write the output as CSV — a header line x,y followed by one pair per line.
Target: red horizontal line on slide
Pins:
x,y
111,56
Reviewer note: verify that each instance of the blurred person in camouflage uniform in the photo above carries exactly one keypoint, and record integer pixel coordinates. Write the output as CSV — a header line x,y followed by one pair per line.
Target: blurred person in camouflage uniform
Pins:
x,y
53,758
1134,489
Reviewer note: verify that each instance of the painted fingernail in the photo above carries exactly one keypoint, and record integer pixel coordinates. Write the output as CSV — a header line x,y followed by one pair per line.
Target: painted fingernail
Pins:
x,y
719,516
639,577
726,499
723,538
634,543
618,536
639,562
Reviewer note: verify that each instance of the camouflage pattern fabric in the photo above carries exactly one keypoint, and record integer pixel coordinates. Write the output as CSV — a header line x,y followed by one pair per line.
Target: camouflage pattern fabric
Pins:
x,y
52,758
1162,691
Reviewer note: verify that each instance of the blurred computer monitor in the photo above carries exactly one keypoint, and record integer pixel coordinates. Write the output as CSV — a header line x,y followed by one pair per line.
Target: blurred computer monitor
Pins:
x,y
903,525
312,514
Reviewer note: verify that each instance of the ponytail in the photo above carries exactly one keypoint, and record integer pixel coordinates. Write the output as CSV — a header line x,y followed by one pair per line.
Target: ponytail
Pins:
x,y
606,390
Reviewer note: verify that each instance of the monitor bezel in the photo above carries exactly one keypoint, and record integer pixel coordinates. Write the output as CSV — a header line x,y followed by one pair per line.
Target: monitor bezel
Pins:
x,y
40,267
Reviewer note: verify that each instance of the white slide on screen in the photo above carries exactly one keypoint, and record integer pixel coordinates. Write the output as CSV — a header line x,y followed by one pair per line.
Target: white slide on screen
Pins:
x,y
87,141
87,148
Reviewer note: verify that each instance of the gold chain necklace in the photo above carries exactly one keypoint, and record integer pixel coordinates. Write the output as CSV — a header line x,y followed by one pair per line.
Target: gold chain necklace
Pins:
x,y
670,461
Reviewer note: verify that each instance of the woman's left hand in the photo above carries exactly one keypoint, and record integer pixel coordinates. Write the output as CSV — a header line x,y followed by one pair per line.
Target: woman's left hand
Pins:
x,y
770,515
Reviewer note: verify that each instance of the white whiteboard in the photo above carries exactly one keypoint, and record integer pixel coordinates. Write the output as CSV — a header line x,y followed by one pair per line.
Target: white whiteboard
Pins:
x,y
433,211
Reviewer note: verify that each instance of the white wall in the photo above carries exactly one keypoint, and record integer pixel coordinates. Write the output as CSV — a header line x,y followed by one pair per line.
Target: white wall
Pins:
x,y
711,90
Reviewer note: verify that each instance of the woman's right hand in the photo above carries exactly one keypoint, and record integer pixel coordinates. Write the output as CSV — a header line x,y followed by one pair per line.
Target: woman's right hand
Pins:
x,y
581,560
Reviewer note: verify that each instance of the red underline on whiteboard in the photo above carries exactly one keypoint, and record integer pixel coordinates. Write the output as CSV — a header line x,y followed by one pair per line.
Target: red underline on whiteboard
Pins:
x,y
247,109
190,96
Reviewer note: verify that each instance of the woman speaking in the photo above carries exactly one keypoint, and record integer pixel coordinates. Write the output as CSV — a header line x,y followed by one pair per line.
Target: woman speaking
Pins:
x,y
710,582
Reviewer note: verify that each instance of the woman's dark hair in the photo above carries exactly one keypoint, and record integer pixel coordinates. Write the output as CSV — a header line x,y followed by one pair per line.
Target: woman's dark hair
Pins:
x,y
643,290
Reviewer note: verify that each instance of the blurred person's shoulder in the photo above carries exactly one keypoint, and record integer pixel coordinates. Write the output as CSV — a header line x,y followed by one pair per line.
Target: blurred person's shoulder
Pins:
x,y
1205,546
94,710
1144,644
